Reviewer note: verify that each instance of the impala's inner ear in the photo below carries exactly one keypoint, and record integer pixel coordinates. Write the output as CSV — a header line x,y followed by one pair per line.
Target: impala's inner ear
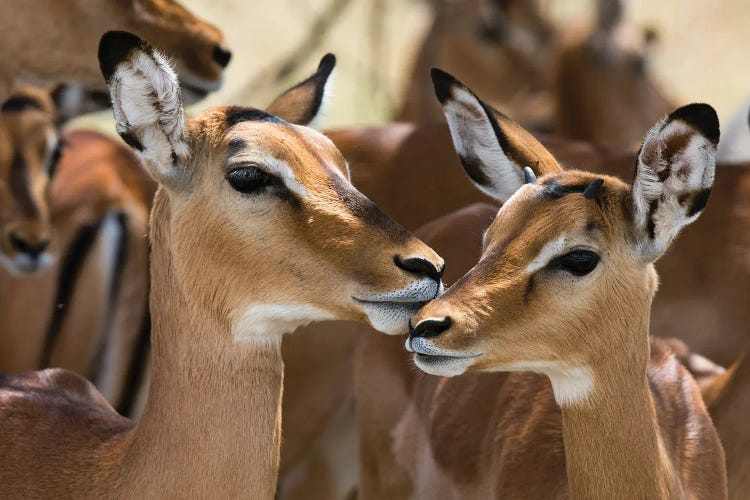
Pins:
x,y
305,103
674,176
493,149
147,104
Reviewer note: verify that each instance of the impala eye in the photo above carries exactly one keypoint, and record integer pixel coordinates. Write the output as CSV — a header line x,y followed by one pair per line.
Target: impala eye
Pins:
x,y
249,179
577,262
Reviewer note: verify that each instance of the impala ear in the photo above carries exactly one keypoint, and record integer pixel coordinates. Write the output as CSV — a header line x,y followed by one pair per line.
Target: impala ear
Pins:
x,y
147,105
674,176
305,103
493,149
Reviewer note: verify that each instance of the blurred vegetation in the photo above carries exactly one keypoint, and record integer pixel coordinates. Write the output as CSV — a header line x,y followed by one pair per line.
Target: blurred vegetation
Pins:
x,y
701,54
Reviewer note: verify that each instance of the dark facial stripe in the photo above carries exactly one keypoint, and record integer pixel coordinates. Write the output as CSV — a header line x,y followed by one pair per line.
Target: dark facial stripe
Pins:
x,y
19,184
136,369
237,114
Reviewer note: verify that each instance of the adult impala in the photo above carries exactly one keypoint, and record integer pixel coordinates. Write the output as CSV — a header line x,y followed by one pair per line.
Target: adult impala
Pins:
x,y
563,288
55,40
255,230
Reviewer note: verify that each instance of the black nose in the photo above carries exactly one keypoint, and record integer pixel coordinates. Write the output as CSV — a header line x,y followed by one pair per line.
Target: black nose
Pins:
x,y
430,327
32,249
222,56
419,266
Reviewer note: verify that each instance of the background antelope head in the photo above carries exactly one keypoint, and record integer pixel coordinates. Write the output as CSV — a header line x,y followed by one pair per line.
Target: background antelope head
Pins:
x,y
566,273
257,220
29,151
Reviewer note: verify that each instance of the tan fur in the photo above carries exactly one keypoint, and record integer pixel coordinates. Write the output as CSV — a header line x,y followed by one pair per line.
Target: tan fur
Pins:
x,y
95,177
55,40
633,422
728,400
211,427
514,71
604,92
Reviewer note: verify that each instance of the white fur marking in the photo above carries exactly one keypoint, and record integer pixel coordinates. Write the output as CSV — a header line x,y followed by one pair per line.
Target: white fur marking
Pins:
x,y
475,138
266,323
548,252
569,384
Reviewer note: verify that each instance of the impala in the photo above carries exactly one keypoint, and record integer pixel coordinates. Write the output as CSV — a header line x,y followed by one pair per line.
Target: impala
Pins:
x,y
75,215
55,40
255,230
563,288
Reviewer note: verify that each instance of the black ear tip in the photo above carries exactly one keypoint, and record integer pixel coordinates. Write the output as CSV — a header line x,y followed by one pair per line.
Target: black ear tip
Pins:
x,y
701,117
443,82
114,47
327,64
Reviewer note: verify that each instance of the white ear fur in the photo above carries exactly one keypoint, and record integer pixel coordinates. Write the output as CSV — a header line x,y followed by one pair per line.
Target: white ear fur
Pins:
x,y
674,176
476,140
148,109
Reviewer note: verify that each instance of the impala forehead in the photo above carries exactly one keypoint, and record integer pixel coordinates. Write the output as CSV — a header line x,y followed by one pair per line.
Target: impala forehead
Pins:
x,y
304,159
533,227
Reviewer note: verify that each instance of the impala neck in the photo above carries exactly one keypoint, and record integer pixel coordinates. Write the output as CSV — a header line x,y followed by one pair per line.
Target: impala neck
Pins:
x,y
613,446
212,424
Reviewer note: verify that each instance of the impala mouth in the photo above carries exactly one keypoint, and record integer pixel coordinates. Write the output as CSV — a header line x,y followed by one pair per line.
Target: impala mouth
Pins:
x,y
436,361
390,312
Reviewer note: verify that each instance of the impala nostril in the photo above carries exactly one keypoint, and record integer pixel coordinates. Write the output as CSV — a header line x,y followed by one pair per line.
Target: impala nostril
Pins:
x,y
222,56
430,327
419,266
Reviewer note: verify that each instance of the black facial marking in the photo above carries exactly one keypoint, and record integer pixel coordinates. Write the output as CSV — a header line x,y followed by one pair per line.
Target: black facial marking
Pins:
x,y
700,201
131,140
238,114
55,159
365,210
235,146
19,185
529,289
701,117
16,104
175,163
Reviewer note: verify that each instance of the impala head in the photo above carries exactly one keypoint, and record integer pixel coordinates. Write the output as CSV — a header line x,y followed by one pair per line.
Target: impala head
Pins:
x,y
569,258
504,47
256,215
29,151
604,75
197,47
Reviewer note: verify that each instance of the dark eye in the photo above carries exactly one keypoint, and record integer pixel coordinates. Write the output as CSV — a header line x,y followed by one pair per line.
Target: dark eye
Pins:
x,y
248,179
577,262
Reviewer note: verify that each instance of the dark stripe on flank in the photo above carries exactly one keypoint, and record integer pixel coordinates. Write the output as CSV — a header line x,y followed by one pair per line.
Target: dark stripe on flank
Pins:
x,y
238,114
19,185
137,369
69,272
95,366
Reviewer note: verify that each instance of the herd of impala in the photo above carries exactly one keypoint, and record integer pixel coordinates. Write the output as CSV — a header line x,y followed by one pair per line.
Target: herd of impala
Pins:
x,y
146,284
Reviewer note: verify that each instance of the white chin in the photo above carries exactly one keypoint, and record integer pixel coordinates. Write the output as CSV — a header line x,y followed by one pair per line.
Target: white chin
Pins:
x,y
442,366
25,265
389,317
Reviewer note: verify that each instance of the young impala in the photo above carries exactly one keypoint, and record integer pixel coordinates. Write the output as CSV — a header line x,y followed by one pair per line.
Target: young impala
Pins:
x,y
255,230
74,219
563,287
55,40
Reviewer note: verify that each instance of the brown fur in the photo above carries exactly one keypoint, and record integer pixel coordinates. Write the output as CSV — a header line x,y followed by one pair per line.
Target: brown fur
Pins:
x,y
95,176
212,423
513,71
60,44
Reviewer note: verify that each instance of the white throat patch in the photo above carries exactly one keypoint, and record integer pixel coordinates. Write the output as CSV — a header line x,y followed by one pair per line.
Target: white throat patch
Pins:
x,y
266,323
569,384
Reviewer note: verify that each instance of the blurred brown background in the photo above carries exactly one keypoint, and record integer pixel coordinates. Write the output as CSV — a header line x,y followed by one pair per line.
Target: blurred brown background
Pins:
x,y
701,54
